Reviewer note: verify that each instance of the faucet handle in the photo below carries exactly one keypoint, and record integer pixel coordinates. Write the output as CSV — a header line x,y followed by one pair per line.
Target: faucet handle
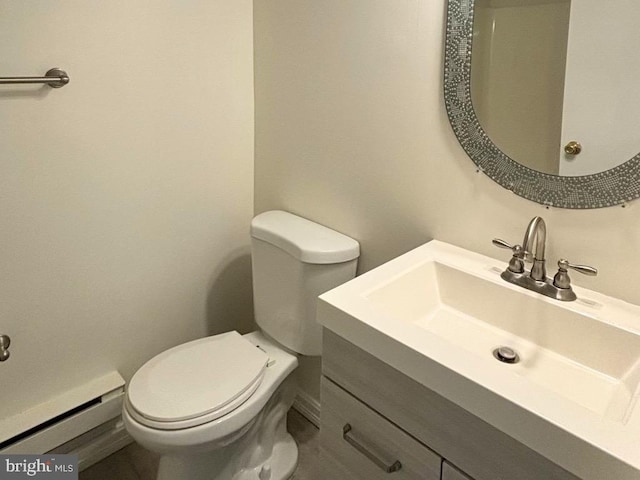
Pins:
x,y
516,264
498,242
562,280
584,269
527,256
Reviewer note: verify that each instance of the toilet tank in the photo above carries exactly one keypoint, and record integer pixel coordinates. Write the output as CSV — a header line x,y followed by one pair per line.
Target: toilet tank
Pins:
x,y
293,261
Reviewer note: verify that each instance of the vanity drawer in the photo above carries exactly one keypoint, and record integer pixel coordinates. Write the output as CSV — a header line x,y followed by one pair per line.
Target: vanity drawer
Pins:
x,y
451,473
357,443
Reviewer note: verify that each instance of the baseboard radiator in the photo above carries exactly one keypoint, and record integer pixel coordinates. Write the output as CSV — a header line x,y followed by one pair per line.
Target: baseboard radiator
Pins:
x,y
84,421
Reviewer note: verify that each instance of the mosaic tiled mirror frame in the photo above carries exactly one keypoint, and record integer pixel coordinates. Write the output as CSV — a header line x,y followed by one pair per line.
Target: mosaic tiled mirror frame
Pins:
x,y
612,187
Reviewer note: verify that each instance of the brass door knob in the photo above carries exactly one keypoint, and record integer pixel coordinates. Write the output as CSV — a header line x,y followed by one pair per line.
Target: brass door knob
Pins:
x,y
572,148
5,341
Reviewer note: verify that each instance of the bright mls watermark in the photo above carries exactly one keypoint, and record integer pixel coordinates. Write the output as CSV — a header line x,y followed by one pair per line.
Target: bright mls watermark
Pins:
x,y
50,467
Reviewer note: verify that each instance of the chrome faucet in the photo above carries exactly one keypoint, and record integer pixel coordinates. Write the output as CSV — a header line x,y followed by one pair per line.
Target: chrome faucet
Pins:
x,y
537,230
560,286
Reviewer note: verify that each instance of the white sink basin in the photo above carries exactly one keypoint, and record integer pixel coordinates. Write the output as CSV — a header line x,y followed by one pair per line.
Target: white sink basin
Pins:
x,y
590,362
579,370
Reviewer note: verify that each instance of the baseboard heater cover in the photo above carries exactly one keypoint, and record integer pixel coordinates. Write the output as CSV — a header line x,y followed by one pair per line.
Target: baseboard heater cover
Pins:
x,y
46,426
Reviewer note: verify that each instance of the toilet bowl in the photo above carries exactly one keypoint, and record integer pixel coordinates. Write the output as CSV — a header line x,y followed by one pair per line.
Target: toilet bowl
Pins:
x,y
187,451
215,408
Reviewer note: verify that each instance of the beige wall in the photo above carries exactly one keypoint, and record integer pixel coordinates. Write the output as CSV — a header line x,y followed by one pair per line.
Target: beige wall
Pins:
x,y
351,132
125,197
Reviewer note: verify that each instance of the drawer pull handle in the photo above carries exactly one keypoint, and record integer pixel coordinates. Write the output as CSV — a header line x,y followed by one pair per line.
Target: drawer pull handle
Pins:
x,y
387,465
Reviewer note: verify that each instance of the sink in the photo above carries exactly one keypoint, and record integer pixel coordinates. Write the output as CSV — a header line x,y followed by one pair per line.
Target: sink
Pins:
x,y
439,312
592,363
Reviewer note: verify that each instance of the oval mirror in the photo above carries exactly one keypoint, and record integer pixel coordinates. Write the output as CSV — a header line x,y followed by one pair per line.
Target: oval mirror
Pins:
x,y
540,96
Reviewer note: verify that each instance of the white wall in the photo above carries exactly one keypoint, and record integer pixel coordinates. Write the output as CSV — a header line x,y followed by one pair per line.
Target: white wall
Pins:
x,y
125,197
351,131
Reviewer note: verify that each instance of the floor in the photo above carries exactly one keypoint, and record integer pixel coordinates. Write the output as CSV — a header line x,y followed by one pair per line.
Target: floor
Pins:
x,y
136,463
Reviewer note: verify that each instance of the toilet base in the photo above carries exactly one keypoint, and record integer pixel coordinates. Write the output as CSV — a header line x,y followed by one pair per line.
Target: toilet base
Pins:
x,y
280,466
265,452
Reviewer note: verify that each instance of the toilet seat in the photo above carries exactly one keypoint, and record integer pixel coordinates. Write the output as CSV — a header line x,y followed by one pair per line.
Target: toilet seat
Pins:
x,y
196,382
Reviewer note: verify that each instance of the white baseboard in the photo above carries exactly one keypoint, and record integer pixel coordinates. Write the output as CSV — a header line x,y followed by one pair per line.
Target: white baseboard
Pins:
x,y
110,437
97,444
103,446
53,421
62,419
308,407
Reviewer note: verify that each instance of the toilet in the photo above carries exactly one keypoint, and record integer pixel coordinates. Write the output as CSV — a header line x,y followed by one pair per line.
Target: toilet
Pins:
x,y
215,408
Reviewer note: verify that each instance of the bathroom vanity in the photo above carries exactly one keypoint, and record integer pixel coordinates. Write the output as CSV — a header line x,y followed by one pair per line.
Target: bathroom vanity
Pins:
x,y
395,419
412,385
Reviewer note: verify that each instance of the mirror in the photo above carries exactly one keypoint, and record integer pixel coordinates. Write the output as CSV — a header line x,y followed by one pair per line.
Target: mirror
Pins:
x,y
540,103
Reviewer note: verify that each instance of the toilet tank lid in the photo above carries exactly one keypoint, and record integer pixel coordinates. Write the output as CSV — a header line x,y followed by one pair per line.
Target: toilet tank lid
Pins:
x,y
303,239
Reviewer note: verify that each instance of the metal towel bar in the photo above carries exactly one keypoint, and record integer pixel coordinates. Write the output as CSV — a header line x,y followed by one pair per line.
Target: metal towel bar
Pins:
x,y
55,78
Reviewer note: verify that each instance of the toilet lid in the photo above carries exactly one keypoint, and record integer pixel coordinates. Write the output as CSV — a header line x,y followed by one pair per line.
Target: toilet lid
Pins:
x,y
197,378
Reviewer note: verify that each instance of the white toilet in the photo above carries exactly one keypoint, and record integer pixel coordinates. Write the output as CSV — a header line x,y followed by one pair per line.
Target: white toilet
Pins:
x,y
215,408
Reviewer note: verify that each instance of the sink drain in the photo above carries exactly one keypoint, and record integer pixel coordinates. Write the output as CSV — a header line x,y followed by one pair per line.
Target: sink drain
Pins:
x,y
506,355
